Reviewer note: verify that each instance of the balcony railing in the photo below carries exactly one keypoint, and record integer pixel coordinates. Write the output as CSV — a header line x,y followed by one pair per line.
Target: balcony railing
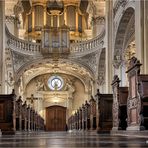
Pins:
x,y
22,46
31,48
89,45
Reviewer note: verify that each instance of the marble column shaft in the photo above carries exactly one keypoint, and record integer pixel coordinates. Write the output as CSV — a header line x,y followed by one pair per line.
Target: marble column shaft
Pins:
x,y
2,47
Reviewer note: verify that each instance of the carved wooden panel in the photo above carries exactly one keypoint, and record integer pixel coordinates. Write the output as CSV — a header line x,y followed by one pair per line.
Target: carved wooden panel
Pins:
x,y
133,87
133,115
94,109
123,95
88,112
105,120
2,111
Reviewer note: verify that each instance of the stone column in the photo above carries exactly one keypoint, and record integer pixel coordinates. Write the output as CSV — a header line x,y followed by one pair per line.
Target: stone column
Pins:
x,y
109,45
2,47
145,37
139,33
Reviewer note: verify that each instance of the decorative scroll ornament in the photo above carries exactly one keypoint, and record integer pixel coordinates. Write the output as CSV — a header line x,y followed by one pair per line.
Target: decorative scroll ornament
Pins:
x,y
19,60
91,61
98,20
118,4
117,61
101,78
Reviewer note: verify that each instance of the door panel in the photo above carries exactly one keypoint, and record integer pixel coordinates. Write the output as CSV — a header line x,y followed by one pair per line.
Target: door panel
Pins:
x,y
55,118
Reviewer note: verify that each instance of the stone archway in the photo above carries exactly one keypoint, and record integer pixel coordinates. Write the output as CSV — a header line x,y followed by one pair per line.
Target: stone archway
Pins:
x,y
124,33
101,69
124,36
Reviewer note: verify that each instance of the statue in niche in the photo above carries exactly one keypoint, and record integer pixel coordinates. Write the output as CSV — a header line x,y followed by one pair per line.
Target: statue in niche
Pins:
x,y
69,86
40,86
10,81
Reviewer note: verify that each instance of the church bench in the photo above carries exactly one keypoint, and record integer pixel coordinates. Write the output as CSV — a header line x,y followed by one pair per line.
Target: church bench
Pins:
x,y
120,95
92,102
28,118
7,113
137,108
80,118
143,91
76,120
87,115
123,95
24,116
103,111
70,122
18,114
83,117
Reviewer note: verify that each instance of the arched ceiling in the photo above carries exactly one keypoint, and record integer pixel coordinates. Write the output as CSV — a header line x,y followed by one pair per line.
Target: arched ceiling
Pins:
x,y
63,67
125,31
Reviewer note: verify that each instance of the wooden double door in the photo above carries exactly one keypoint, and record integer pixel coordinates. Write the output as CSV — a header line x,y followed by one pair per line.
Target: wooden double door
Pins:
x,y
56,118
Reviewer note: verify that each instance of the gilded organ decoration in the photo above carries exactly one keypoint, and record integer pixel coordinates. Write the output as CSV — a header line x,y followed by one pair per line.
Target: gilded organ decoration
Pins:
x,y
55,40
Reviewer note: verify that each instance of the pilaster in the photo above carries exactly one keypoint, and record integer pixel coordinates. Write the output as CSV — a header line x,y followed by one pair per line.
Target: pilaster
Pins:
x,y
109,45
2,46
139,33
145,37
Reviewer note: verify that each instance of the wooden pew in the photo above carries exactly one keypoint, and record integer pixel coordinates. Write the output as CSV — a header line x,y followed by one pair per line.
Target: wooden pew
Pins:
x,y
83,117
120,95
123,95
28,118
24,116
104,111
92,102
18,113
76,120
87,115
7,113
70,122
31,119
137,107
17,116
143,91
80,118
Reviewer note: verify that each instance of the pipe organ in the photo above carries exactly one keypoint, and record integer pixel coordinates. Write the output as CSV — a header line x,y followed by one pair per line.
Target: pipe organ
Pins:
x,y
54,14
